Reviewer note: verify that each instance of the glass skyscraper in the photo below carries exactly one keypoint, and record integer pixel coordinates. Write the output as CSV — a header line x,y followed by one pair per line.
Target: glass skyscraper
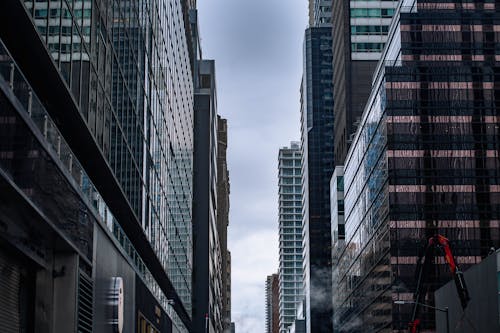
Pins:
x,y
424,161
107,90
290,233
317,169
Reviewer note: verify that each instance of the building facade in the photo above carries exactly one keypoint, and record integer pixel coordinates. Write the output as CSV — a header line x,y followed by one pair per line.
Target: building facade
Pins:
x,y
337,206
299,323
290,233
317,169
223,189
207,259
320,13
423,161
360,31
97,149
272,304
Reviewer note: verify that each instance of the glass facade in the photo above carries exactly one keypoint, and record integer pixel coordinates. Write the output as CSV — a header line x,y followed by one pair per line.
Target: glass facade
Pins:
x,y
290,233
424,161
75,204
317,169
337,206
26,161
127,64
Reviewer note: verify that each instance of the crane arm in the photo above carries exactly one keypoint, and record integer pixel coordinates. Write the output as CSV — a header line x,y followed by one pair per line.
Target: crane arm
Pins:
x,y
423,266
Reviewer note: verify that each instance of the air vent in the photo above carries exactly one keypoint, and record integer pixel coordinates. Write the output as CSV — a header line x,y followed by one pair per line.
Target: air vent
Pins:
x,y
85,303
10,289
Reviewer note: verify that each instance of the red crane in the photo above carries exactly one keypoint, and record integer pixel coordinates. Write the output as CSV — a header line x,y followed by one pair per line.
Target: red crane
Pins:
x,y
423,267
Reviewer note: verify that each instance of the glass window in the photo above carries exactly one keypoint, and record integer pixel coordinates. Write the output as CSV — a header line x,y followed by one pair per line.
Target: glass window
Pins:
x,y
372,12
367,47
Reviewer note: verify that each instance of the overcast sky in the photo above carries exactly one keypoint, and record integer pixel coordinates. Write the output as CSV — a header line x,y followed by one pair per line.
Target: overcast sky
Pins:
x,y
257,47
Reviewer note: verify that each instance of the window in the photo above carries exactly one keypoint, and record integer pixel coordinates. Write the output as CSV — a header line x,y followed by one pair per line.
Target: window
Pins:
x,y
40,13
369,29
372,12
206,81
367,47
340,205
144,326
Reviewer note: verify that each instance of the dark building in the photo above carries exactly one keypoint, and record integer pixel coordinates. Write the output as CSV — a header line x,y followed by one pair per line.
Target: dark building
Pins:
x,y
223,189
96,150
207,254
359,34
272,304
424,161
317,169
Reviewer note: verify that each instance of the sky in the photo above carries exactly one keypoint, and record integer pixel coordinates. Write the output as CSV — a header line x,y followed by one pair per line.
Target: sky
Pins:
x,y
257,47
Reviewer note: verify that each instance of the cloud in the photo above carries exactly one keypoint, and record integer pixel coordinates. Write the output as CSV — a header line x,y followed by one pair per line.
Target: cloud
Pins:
x,y
257,254
257,47
259,261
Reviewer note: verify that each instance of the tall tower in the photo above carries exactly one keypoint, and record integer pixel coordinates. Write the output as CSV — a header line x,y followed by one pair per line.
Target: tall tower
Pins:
x,y
359,34
317,169
272,301
424,161
208,259
290,233
96,163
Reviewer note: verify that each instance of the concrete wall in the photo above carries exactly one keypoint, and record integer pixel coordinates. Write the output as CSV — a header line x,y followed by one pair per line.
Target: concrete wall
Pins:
x,y
482,312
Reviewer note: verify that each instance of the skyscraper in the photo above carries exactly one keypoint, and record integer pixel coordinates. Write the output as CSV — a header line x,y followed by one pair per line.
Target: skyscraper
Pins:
x,y
424,161
317,169
360,31
290,233
207,256
272,304
96,163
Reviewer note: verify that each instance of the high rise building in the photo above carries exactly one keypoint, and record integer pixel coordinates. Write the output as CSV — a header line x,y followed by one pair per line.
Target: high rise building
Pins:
x,y
96,154
290,233
317,169
424,161
272,304
223,190
207,259
360,31
320,13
